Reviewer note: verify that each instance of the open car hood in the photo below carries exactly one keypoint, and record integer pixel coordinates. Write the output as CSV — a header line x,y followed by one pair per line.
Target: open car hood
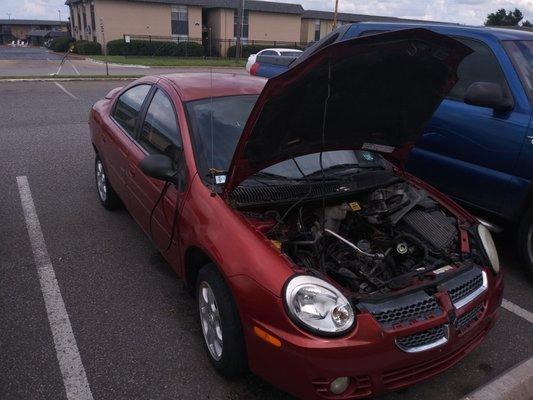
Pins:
x,y
375,93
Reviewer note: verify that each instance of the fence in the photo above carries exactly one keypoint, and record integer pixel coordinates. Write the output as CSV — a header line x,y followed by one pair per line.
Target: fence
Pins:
x,y
152,45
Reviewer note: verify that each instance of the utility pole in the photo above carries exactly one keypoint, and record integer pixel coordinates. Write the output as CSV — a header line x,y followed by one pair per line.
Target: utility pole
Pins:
x,y
9,16
104,45
59,12
335,16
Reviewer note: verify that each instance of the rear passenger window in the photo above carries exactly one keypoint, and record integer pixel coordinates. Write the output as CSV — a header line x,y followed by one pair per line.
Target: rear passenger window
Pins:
x,y
129,106
269,53
160,133
480,66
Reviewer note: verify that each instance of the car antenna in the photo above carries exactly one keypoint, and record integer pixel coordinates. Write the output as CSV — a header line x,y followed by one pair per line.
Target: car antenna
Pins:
x,y
323,190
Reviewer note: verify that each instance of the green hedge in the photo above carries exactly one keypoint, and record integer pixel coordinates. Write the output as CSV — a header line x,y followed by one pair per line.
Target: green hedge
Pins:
x,y
154,48
61,44
87,48
247,50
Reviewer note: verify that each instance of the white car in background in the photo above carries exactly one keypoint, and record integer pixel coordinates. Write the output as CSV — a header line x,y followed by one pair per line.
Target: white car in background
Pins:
x,y
272,52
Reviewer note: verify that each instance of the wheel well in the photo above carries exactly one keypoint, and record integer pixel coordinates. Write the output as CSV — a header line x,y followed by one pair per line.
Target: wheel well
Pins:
x,y
195,258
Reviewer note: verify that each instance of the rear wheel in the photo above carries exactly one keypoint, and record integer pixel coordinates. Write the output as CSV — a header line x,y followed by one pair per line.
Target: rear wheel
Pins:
x,y
220,323
525,241
106,193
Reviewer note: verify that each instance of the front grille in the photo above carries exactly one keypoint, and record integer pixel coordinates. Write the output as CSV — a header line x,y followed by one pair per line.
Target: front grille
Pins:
x,y
424,340
409,308
460,292
465,321
406,376
420,310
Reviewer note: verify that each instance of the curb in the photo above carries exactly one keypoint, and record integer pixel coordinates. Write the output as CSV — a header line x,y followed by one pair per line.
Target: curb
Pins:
x,y
59,79
515,384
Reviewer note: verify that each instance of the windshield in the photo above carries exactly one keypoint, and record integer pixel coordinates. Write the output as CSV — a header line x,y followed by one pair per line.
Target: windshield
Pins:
x,y
521,54
217,125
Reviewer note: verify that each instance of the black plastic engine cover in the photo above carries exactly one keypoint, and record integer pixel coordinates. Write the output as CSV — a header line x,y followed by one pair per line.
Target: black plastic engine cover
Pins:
x,y
434,227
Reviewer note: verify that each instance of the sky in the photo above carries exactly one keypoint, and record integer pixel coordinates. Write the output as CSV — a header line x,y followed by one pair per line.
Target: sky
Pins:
x,y
472,12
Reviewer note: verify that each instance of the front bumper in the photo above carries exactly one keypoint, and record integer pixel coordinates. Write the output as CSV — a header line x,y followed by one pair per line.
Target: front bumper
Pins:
x,y
305,365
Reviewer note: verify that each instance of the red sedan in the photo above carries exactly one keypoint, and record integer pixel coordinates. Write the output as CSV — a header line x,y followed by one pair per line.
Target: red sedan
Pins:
x,y
317,262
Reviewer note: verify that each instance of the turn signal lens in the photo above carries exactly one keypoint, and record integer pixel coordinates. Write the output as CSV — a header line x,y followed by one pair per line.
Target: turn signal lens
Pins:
x,y
267,337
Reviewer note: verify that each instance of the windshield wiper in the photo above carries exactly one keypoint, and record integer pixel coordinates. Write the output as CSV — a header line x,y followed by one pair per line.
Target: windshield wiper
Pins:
x,y
341,169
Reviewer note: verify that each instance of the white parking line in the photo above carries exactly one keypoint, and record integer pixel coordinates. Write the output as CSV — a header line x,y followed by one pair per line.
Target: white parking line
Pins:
x,y
74,67
65,90
68,356
517,310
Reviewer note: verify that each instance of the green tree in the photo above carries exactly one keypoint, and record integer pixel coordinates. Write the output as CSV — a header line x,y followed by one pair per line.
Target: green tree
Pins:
x,y
504,18
527,24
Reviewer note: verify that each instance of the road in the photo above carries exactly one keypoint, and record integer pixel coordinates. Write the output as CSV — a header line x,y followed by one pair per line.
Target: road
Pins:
x,y
134,324
35,61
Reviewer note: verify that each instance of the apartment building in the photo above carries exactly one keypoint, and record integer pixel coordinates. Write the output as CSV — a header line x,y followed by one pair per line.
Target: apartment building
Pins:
x,y
204,21
20,29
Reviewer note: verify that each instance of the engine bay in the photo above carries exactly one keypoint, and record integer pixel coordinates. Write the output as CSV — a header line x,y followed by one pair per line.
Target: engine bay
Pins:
x,y
374,242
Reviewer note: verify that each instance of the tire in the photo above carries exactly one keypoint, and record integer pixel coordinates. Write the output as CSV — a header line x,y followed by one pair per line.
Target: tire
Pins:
x,y
525,241
106,194
224,344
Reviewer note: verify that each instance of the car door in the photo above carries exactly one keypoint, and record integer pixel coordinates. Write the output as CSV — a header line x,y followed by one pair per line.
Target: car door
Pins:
x,y
119,136
158,133
466,151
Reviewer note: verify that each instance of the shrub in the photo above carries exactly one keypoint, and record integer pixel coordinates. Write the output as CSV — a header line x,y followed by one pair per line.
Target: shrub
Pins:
x,y
154,48
247,50
89,48
61,44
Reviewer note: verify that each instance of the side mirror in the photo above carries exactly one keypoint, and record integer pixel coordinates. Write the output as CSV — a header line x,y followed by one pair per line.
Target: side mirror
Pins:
x,y
159,166
489,95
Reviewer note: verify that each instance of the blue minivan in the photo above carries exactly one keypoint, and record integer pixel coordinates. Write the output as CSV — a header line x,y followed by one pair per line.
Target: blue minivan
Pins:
x,y
478,147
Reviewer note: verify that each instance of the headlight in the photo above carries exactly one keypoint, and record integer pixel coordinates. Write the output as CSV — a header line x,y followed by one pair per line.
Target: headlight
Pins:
x,y
317,306
489,247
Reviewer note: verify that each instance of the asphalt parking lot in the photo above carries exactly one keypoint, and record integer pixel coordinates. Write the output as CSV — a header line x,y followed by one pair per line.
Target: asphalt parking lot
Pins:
x,y
135,326
37,61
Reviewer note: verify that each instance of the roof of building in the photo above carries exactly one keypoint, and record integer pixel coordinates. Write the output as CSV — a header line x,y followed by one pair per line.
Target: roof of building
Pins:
x,y
346,17
192,86
252,5
39,32
31,22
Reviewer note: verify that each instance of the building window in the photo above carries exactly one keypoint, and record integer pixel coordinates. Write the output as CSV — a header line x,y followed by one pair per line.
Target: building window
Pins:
x,y
180,21
93,18
245,24
317,30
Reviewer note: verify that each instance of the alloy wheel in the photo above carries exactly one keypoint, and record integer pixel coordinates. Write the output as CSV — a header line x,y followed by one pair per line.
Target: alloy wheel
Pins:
x,y
101,181
210,319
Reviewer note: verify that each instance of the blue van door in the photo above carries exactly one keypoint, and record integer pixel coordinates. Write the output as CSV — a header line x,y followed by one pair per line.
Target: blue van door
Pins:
x,y
469,152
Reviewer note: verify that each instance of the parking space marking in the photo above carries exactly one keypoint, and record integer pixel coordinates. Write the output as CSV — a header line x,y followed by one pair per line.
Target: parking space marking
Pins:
x,y
60,86
68,356
517,310
74,67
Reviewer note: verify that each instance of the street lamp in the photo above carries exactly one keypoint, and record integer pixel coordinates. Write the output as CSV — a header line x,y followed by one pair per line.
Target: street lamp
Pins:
x,y
9,16
59,12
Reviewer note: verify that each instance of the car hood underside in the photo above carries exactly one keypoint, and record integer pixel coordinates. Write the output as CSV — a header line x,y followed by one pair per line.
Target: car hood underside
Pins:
x,y
375,93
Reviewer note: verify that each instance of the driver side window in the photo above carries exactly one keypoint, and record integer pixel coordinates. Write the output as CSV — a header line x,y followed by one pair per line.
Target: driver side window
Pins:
x,y
160,133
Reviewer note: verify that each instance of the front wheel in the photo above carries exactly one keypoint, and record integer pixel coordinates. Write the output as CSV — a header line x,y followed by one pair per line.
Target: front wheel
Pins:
x,y
220,323
525,241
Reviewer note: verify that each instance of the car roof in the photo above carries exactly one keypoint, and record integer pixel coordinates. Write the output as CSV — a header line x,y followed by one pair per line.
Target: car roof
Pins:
x,y
202,85
498,33
281,49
